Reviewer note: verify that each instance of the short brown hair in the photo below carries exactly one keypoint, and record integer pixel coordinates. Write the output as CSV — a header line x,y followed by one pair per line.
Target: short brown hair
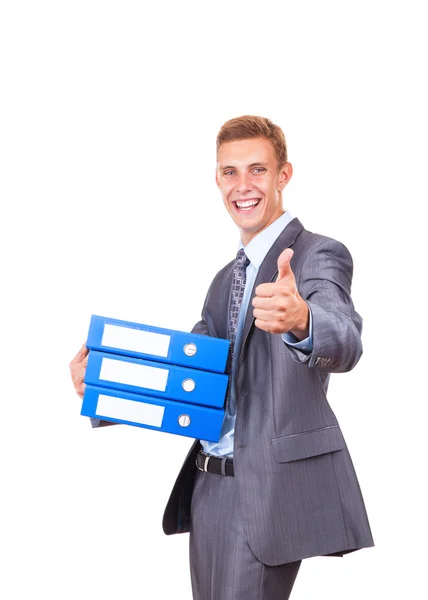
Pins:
x,y
247,126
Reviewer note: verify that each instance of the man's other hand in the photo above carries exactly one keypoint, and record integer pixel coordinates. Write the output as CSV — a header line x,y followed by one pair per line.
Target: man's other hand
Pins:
x,y
78,369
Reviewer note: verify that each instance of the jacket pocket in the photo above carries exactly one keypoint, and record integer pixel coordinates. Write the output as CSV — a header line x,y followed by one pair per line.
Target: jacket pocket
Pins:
x,y
307,444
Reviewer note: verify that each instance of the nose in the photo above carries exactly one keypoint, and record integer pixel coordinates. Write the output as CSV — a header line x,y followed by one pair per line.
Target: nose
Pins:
x,y
244,185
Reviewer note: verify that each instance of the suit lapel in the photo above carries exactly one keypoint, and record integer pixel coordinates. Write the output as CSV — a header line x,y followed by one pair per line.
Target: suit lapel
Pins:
x,y
220,311
269,269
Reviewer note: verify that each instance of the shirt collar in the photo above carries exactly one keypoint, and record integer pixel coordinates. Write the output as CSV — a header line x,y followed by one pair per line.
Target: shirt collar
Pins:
x,y
260,245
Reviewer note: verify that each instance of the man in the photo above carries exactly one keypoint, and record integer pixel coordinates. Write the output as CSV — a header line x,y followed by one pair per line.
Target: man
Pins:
x,y
279,486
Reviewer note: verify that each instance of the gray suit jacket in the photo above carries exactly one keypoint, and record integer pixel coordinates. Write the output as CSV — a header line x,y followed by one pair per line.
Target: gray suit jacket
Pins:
x,y
298,490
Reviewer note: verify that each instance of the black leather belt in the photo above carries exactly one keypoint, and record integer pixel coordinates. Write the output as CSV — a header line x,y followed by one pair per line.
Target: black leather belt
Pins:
x,y
214,464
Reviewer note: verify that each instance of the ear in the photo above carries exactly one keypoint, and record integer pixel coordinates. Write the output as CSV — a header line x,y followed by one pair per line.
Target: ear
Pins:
x,y
217,178
285,174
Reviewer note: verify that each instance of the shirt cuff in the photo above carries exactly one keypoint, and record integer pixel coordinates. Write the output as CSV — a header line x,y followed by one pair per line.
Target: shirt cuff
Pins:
x,y
305,345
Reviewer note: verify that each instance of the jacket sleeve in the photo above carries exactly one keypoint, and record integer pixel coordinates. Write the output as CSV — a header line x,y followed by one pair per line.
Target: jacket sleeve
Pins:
x,y
206,324
100,422
325,284
201,328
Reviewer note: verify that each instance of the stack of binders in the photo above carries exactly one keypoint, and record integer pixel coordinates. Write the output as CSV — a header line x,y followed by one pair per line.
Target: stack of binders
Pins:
x,y
161,379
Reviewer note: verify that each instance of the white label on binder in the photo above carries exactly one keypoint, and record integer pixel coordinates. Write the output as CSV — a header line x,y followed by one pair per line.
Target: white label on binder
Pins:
x,y
136,340
129,373
130,410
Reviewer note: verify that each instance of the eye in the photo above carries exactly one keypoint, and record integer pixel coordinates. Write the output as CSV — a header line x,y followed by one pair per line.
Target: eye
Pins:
x,y
259,169
228,173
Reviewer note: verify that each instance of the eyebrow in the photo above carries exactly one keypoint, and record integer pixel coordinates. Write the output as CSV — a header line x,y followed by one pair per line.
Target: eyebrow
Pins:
x,y
255,164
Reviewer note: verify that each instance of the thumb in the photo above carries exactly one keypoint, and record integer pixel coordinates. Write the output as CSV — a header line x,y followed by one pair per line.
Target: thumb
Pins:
x,y
284,269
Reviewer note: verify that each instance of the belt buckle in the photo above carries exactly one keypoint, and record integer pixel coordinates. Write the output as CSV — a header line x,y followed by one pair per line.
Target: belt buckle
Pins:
x,y
207,458
206,461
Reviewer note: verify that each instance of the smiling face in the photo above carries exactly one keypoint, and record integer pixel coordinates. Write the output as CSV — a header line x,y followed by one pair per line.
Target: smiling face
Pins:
x,y
251,184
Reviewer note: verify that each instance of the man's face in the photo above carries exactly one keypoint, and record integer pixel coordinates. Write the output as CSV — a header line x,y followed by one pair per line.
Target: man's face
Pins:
x,y
251,184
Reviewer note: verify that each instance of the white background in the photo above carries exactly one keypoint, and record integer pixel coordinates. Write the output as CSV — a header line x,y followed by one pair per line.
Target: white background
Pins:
x,y
109,112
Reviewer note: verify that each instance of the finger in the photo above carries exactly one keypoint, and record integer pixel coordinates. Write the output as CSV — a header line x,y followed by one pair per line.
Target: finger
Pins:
x,y
262,315
264,303
78,372
284,268
263,325
81,354
80,390
265,290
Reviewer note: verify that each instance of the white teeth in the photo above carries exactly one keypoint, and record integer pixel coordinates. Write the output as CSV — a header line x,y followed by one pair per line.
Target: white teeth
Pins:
x,y
247,203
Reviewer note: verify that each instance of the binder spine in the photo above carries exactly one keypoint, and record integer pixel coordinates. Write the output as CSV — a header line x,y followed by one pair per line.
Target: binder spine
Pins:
x,y
152,413
151,378
162,345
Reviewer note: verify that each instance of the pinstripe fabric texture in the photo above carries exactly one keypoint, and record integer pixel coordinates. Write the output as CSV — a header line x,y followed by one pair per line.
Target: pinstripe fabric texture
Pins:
x,y
225,567
297,491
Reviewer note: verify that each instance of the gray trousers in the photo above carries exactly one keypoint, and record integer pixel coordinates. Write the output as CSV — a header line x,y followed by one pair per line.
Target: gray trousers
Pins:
x,y
222,565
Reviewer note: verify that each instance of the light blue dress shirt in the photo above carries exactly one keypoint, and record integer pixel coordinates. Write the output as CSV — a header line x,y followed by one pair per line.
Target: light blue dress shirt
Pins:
x,y
256,251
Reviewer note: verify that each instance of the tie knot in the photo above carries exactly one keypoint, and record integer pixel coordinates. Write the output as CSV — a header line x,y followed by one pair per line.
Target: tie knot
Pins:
x,y
242,261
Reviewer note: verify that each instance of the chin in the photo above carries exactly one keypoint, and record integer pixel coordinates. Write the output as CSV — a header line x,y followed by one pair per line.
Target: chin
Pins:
x,y
253,224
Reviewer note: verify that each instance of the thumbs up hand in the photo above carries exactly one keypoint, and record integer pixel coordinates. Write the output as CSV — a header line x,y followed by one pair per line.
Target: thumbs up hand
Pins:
x,y
278,306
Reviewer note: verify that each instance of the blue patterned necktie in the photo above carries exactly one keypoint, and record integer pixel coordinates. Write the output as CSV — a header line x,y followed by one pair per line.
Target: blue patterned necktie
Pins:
x,y
238,287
